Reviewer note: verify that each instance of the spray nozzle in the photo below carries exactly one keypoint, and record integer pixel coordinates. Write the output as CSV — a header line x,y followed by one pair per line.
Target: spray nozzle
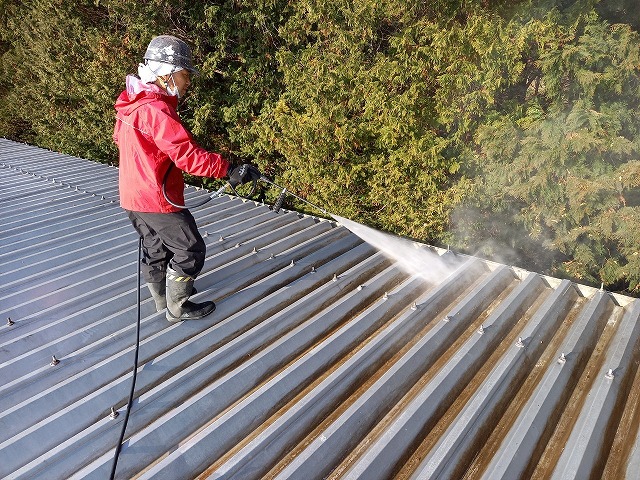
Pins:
x,y
278,204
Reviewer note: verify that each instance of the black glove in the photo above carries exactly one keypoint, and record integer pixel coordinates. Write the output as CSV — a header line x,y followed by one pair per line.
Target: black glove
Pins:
x,y
244,173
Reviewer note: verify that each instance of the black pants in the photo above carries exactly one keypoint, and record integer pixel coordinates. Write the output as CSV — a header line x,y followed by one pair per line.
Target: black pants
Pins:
x,y
169,239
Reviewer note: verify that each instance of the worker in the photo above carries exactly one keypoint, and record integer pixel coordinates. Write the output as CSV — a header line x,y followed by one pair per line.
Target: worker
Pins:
x,y
151,140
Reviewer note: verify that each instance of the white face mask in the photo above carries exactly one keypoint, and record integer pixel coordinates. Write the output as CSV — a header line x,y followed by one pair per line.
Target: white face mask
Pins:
x,y
172,91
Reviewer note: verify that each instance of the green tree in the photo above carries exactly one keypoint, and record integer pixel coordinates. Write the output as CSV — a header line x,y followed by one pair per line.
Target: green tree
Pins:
x,y
504,128
361,120
562,165
64,63
235,45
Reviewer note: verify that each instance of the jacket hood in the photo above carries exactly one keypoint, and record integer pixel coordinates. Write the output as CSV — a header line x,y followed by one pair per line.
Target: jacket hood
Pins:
x,y
138,93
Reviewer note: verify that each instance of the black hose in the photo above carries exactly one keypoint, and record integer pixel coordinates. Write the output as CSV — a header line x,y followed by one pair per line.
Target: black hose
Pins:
x,y
135,373
277,207
177,205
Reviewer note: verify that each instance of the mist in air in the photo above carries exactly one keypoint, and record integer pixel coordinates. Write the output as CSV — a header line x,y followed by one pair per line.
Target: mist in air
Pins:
x,y
411,257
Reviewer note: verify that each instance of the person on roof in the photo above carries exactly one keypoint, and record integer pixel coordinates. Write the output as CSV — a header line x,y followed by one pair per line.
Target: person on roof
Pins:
x,y
151,139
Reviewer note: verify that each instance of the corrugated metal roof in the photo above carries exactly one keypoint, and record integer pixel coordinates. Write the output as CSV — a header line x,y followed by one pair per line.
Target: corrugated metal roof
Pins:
x,y
322,360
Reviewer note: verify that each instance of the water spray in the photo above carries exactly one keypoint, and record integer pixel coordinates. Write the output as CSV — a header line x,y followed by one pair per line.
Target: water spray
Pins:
x,y
410,256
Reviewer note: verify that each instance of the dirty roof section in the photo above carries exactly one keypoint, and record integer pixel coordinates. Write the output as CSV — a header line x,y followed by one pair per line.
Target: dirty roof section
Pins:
x,y
322,360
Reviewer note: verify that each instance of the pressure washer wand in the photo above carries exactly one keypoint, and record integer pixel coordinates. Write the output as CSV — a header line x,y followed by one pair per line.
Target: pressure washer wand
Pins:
x,y
276,206
284,192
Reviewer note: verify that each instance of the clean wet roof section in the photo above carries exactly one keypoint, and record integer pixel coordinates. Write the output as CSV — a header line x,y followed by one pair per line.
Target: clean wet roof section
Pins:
x,y
323,358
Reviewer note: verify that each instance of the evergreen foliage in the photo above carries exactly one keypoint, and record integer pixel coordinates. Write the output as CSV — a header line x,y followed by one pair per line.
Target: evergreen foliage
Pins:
x,y
356,120
562,166
507,129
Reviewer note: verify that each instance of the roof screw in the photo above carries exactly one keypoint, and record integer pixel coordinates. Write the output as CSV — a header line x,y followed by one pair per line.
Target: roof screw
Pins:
x,y
221,239
562,358
609,374
519,343
255,250
446,318
93,194
102,197
271,256
54,361
292,263
385,296
414,306
313,269
360,287
481,330
335,277
237,245
205,234
114,414
9,321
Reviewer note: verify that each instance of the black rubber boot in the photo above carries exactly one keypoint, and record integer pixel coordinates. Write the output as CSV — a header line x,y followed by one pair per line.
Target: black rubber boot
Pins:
x,y
179,308
158,292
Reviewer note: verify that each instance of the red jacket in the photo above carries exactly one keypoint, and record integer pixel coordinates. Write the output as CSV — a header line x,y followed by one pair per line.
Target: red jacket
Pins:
x,y
150,137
